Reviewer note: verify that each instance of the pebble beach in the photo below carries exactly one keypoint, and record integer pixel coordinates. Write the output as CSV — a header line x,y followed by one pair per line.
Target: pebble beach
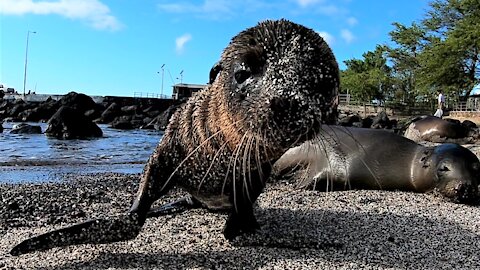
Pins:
x,y
301,229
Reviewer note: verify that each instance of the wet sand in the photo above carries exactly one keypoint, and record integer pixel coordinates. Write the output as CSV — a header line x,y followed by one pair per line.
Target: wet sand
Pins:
x,y
300,230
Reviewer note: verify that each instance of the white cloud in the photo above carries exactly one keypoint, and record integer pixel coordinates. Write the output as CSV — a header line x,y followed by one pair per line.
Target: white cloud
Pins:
x,y
212,8
181,41
347,36
327,37
352,21
94,12
306,3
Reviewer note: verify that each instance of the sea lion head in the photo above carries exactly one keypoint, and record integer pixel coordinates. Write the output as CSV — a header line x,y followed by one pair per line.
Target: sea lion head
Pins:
x,y
282,78
457,172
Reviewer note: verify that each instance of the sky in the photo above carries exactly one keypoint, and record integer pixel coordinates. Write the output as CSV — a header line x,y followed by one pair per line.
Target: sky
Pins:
x,y
118,47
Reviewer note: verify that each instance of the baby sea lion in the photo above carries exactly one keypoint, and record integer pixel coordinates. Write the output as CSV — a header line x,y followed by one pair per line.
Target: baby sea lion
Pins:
x,y
342,158
271,90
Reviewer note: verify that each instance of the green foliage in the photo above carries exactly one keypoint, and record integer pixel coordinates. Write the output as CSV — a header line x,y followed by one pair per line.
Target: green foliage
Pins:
x,y
440,52
369,78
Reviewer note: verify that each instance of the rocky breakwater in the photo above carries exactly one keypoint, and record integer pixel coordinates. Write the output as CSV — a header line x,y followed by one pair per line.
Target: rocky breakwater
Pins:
x,y
75,115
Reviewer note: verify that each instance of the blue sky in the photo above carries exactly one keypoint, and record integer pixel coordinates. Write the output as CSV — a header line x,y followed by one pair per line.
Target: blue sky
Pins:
x,y
116,47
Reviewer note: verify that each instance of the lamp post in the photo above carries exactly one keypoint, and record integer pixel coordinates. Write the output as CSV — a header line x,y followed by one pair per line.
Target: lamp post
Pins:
x,y
163,71
26,60
181,76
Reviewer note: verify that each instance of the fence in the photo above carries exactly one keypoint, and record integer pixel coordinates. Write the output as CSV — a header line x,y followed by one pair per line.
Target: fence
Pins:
x,y
150,95
392,107
471,105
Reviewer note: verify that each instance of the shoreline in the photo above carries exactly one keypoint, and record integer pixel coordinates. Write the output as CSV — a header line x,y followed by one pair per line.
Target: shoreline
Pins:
x,y
301,229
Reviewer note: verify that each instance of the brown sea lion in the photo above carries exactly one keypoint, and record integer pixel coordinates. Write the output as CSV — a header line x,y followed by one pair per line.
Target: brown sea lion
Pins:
x,y
273,86
342,158
434,129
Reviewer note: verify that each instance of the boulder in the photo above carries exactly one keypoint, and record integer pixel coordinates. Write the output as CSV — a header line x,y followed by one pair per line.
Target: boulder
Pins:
x,y
129,110
18,107
42,112
23,128
122,122
127,122
161,121
78,101
381,121
112,111
367,122
70,123
349,120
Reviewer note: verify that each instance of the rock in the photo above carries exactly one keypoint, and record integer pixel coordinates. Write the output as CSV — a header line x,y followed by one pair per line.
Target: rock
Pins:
x,y
161,121
381,121
95,113
112,111
78,101
42,112
23,128
127,122
367,122
122,122
70,123
1,128
129,110
18,107
349,120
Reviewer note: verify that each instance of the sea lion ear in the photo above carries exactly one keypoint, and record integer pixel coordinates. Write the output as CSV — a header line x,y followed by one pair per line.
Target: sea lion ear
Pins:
x,y
214,72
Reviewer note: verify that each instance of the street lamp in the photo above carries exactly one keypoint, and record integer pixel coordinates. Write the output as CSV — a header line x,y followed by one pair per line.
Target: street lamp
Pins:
x,y
181,77
26,59
163,71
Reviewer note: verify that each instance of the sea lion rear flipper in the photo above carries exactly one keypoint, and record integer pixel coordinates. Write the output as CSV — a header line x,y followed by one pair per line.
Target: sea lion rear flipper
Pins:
x,y
97,231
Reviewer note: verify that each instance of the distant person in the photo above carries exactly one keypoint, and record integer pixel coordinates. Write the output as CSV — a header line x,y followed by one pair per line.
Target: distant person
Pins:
x,y
440,104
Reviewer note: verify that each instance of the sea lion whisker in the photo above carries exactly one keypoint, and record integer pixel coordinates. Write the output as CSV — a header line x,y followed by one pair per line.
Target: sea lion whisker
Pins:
x,y
247,167
194,152
234,171
322,140
211,164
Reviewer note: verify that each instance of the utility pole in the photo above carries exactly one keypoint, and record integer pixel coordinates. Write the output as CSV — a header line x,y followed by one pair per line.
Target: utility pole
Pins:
x,y
26,60
163,72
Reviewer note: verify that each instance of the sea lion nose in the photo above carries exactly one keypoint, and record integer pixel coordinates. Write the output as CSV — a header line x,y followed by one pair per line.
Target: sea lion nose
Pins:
x,y
279,104
276,104
466,193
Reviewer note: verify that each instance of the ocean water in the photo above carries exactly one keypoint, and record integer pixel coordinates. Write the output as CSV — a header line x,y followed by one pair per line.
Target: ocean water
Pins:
x,y
37,158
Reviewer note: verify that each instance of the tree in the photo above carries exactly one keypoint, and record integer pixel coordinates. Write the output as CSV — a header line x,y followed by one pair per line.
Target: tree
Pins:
x,y
454,57
369,78
405,59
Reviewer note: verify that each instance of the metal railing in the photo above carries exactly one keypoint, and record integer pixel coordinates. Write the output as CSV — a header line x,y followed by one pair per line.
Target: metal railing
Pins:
x,y
150,95
471,105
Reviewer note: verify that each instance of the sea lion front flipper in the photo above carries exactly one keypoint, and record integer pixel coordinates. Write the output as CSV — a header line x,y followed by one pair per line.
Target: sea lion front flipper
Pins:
x,y
241,219
185,203
111,229
96,231
240,222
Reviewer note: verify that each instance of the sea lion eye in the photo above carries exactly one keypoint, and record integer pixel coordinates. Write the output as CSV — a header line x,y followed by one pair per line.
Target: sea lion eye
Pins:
x,y
475,166
242,75
444,169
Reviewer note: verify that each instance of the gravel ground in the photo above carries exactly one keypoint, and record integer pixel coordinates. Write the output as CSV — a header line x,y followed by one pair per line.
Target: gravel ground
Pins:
x,y
300,230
